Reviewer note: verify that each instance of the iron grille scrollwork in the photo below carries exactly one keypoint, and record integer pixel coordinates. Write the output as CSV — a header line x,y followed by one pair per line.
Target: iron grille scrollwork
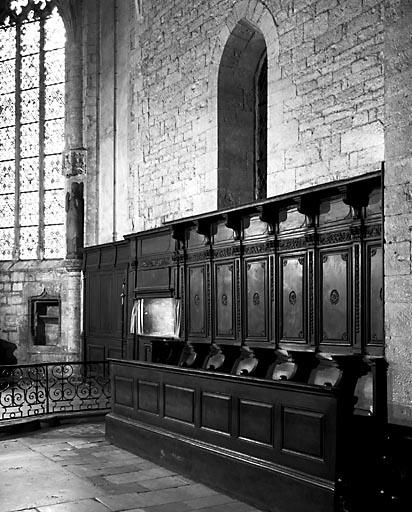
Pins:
x,y
53,388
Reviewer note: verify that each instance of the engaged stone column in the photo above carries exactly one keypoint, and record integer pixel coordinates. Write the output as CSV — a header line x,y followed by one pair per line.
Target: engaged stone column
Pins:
x,y
74,170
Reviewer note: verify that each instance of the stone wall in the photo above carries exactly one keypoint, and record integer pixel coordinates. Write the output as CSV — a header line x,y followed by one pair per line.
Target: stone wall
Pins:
x,y
398,208
22,280
158,65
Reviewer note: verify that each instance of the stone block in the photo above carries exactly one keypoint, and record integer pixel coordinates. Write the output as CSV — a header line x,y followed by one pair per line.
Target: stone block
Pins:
x,y
398,199
398,258
398,319
397,228
359,138
398,289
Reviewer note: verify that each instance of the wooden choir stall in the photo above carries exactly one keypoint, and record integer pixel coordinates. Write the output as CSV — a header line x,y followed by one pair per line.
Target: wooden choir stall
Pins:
x,y
247,345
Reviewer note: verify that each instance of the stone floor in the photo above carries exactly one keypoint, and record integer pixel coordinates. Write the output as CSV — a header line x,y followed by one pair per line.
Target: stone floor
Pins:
x,y
73,468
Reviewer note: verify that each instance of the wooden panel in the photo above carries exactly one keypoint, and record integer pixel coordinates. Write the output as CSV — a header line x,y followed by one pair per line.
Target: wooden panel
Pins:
x,y
179,403
216,412
196,300
195,239
293,220
92,258
155,278
106,300
93,302
256,299
156,243
225,300
108,256
335,298
303,432
375,295
255,421
239,415
119,277
223,234
114,352
148,396
123,387
256,228
95,352
333,210
292,299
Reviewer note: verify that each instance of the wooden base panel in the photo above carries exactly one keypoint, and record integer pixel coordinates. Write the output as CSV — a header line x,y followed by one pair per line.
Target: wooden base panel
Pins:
x,y
260,483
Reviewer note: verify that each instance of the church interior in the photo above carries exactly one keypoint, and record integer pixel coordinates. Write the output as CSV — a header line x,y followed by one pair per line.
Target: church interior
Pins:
x,y
216,197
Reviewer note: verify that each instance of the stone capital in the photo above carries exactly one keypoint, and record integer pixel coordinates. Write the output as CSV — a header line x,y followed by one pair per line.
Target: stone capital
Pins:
x,y
74,162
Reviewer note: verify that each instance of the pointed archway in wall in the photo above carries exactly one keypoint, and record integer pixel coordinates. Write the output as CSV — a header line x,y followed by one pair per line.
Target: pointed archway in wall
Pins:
x,y
250,18
237,114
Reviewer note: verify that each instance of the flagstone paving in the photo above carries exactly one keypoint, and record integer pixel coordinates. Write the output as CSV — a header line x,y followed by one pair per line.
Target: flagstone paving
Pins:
x,y
73,468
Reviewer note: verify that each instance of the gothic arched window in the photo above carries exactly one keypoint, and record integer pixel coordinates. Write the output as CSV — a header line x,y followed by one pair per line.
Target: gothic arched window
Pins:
x,y
32,110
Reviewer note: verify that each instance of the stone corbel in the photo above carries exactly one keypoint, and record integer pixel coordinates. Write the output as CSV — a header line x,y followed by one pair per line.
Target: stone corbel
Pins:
x,y
74,162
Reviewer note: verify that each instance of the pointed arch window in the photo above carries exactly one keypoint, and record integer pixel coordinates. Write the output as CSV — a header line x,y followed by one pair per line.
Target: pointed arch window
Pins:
x,y
32,111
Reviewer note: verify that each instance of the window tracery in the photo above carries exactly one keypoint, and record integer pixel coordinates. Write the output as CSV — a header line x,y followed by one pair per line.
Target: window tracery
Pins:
x,y
32,109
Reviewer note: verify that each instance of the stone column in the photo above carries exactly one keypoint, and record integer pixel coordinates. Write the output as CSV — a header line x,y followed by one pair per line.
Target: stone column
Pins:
x,y
74,169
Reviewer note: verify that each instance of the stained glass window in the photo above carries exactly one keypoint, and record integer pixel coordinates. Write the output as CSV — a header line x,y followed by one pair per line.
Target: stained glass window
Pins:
x,y
32,109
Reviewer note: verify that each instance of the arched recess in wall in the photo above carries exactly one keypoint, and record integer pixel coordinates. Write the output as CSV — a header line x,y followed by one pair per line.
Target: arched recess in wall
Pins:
x,y
243,71
240,127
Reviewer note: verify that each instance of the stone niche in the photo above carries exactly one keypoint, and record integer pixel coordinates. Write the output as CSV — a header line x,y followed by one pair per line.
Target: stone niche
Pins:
x,y
45,319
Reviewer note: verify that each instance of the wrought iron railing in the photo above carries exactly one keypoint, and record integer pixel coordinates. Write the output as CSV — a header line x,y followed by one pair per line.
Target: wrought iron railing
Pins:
x,y
30,390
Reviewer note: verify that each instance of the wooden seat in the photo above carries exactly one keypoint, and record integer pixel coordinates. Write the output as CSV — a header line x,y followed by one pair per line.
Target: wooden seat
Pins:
x,y
247,362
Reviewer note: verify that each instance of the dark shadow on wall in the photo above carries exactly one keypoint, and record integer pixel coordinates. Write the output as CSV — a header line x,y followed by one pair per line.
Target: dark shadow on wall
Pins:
x,y
7,352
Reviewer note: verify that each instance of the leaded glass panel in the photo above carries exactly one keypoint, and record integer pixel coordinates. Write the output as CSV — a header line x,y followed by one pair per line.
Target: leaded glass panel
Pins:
x,y
53,207
7,143
29,140
7,113
30,71
7,182
55,32
6,210
54,238
29,174
30,106
7,79
53,177
7,42
40,214
54,136
54,66
30,38
29,208
28,242
54,101
6,243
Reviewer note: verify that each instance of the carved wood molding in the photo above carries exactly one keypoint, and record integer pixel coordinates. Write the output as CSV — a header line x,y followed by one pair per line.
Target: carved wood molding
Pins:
x,y
154,262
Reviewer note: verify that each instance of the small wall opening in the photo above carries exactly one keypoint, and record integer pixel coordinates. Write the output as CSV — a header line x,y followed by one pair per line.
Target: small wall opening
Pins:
x,y
242,117
45,319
